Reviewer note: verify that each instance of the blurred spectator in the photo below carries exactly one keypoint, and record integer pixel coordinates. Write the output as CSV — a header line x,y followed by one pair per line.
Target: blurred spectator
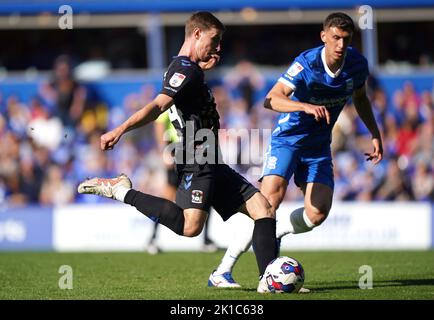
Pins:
x,y
423,182
18,116
30,180
394,186
64,94
55,191
244,80
379,105
2,125
427,106
398,106
407,136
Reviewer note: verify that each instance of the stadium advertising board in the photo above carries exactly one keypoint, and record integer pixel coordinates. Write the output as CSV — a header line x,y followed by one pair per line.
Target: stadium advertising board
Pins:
x,y
350,226
27,228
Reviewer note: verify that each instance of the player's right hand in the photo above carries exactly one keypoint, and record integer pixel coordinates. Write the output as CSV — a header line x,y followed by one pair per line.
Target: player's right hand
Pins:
x,y
319,112
109,139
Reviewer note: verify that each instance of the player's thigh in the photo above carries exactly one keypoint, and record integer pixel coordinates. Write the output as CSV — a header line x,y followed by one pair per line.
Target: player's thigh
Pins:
x,y
318,198
194,221
273,188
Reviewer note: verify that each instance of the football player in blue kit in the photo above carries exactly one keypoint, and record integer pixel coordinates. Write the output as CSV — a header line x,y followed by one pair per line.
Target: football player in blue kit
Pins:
x,y
310,96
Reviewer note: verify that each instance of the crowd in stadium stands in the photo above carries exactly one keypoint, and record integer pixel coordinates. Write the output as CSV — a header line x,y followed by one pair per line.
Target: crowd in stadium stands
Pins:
x,y
51,142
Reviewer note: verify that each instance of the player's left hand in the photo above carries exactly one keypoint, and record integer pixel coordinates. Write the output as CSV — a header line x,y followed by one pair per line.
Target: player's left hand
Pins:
x,y
211,63
377,155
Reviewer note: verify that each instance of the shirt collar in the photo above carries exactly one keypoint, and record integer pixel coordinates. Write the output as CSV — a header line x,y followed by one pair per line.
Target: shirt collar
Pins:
x,y
326,67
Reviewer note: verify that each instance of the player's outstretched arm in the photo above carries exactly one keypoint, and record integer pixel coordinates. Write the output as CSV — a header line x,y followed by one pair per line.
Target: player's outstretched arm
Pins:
x,y
364,110
278,100
147,114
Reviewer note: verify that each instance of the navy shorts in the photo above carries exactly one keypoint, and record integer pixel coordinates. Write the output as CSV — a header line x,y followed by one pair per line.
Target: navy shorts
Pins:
x,y
212,185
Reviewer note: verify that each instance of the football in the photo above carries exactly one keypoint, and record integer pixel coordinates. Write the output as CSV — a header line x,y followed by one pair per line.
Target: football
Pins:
x,y
284,275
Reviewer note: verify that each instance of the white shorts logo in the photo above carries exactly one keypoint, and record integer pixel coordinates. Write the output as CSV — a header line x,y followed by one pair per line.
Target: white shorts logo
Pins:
x,y
196,196
271,163
177,79
295,69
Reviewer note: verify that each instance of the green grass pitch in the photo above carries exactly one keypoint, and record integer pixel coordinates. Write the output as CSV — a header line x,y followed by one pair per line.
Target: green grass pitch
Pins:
x,y
183,275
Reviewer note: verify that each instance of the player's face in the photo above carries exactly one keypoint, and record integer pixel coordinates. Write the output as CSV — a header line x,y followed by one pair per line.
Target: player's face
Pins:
x,y
208,43
336,42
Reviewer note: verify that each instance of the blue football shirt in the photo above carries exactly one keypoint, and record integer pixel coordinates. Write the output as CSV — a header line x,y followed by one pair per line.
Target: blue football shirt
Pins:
x,y
314,83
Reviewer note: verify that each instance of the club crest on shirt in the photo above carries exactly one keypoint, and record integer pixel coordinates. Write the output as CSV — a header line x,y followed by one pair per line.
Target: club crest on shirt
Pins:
x,y
295,69
177,79
196,196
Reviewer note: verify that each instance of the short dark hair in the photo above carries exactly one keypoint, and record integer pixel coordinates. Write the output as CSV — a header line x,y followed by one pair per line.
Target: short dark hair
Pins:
x,y
339,20
203,20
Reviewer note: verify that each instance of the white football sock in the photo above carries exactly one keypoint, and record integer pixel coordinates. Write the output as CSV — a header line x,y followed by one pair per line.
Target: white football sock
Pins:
x,y
120,193
296,222
240,244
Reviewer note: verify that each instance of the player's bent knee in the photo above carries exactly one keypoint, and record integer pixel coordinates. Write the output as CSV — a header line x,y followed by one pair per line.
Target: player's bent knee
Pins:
x,y
316,216
194,222
192,231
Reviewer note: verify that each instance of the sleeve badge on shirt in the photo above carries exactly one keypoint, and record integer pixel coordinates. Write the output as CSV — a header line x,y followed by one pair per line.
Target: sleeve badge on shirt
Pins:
x,y
295,69
177,79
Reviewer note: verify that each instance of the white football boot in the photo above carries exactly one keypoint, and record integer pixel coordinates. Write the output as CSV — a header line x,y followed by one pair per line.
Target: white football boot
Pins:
x,y
104,187
224,280
263,286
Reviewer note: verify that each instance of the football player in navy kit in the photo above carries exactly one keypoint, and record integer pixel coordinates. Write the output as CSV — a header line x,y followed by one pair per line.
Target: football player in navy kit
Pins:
x,y
204,181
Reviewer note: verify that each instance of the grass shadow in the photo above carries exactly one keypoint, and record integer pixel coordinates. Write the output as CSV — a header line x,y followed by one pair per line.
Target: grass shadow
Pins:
x,y
376,284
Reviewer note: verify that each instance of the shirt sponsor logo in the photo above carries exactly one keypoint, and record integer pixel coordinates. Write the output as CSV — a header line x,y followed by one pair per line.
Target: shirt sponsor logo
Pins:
x,y
295,69
329,102
177,79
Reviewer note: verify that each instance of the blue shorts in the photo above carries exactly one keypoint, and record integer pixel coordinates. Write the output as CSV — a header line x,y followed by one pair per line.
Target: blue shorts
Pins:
x,y
306,164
